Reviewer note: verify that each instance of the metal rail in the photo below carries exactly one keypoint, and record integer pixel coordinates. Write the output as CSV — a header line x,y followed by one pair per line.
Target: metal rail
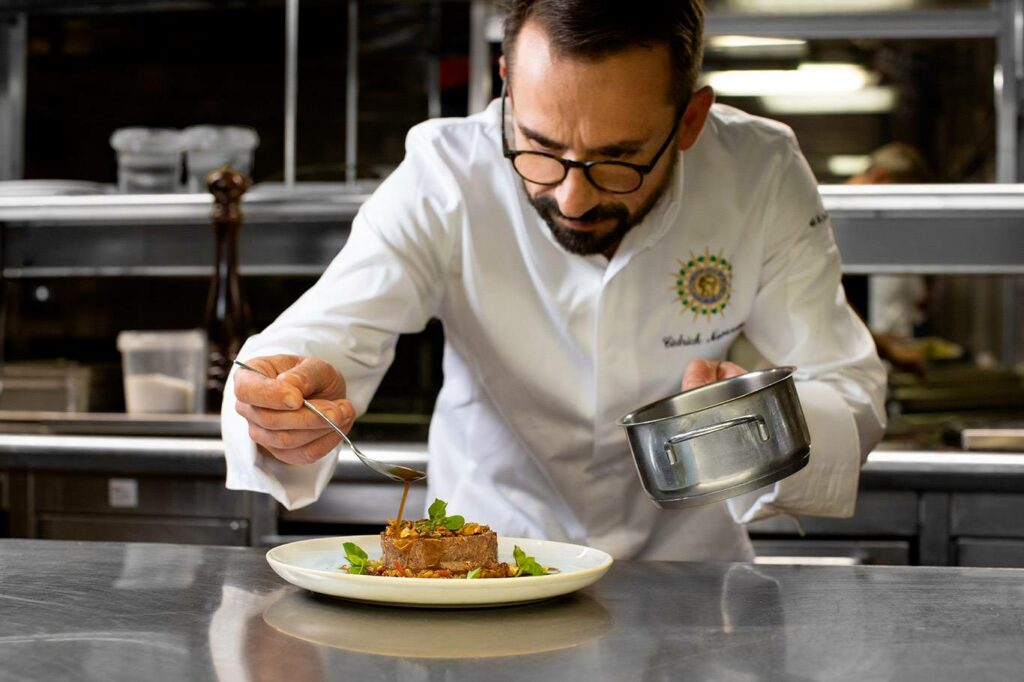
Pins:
x,y
341,200
264,203
13,41
352,95
291,88
948,23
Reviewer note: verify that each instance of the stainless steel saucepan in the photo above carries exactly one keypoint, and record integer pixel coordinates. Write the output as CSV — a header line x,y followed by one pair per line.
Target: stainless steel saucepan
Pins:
x,y
720,440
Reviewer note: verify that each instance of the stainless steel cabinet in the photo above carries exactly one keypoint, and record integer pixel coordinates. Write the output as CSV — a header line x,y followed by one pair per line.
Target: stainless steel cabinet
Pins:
x,y
928,527
883,530
360,503
988,529
117,507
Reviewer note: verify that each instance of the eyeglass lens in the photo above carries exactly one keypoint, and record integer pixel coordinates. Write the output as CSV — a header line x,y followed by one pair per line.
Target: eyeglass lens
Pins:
x,y
545,170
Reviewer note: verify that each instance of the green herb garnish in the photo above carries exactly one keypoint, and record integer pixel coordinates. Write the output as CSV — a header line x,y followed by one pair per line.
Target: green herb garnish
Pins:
x,y
437,517
473,574
527,565
357,558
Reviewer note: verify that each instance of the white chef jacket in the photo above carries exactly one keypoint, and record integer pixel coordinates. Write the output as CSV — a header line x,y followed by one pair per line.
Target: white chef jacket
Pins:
x,y
545,350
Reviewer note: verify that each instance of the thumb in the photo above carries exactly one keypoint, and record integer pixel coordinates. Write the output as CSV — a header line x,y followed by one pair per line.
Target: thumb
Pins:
x,y
700,372
314,377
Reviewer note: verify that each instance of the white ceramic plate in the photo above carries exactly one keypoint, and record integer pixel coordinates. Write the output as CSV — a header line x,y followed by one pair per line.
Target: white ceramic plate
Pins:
x,y
316,565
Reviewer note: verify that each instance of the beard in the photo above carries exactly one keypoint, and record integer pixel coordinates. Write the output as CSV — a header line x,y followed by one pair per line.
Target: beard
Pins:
x,y
589,243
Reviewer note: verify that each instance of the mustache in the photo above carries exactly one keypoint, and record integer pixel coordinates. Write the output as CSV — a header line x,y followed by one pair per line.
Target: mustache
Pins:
x,y
597,214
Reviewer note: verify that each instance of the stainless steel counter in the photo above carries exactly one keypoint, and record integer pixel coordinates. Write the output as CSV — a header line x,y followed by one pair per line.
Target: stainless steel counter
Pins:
x,y
110,611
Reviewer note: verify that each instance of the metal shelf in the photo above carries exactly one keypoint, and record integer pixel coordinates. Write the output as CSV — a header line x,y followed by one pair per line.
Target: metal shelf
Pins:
x,y
947,23
951,229
970,229
264,203
109,6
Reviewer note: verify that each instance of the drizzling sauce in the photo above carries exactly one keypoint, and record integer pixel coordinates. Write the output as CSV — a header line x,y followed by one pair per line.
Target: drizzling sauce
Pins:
x,y
401,507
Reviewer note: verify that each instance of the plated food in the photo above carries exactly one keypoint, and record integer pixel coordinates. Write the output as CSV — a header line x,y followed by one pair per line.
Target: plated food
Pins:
x,y
315,565
440,546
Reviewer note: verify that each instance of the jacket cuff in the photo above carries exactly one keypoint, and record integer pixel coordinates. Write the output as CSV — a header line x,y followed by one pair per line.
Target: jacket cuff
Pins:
x,y
294,486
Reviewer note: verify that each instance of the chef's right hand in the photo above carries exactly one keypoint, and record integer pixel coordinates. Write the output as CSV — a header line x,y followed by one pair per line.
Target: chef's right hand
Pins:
x,y
278,423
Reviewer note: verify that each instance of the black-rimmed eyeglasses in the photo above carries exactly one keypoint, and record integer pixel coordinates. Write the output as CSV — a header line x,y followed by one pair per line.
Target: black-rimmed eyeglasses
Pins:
x,y
614,177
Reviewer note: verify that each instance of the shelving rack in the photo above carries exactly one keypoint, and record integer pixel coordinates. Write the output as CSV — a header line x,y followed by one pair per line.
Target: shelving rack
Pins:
x,y
965,229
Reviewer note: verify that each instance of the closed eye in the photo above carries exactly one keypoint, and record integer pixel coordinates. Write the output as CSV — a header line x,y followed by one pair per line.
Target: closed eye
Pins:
x,y
617,153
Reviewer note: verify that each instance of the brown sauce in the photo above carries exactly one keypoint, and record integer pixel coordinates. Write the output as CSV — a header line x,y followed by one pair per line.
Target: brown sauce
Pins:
x,y
401,507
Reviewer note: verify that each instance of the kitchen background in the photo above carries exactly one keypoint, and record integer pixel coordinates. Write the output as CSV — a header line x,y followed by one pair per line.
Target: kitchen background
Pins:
x,y
331,87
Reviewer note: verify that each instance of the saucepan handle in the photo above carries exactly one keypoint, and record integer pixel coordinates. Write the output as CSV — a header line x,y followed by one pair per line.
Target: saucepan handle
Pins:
x,y
670,451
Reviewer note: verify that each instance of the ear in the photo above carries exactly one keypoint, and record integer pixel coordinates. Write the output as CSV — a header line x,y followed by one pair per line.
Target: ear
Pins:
x,y
695,116
502,68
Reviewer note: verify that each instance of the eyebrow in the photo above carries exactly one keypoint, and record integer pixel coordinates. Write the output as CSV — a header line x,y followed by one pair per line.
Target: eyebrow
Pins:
x,y
621,148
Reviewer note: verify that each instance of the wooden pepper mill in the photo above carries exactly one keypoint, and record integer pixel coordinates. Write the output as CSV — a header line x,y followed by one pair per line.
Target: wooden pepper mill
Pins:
x,y
226,312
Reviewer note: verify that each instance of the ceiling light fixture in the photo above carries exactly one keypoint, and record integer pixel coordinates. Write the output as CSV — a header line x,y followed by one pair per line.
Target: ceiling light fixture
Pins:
x,y
848,165
805,79
820,6
870,100
740,42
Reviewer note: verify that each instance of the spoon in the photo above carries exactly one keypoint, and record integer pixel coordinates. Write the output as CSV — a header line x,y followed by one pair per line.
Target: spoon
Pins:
x,y
396,472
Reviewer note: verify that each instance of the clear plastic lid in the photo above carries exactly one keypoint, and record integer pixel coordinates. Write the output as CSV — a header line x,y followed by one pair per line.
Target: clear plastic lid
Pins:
x,y
208,138
184,340
148,140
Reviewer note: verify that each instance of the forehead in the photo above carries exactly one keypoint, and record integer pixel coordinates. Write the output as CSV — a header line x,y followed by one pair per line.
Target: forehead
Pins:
x,y
629,91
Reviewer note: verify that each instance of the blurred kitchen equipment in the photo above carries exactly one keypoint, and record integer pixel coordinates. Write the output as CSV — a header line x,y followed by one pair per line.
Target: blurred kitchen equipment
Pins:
x,y
960,388
148,159
45,387
720,440
395,472
210,147
986,435
164,371
226,312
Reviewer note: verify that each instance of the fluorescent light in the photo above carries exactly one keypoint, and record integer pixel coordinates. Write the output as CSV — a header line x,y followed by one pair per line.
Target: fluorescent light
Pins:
x,y
824,6
805,79
846,166
870,100
739,42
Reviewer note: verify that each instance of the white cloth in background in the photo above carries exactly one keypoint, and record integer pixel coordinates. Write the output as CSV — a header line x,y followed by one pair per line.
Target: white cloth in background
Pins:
x,y
894,303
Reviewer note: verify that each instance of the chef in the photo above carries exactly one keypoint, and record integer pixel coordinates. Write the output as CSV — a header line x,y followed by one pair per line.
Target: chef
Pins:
x,y
596,238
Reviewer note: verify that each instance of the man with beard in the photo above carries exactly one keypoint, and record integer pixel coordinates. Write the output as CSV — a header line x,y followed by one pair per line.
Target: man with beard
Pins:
x,y
597,237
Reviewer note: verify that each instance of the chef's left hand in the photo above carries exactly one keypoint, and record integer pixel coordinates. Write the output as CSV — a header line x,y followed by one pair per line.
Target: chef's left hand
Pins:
x,y
700,372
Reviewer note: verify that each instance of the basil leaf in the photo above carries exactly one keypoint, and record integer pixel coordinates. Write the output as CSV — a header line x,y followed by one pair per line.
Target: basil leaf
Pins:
x,y
473,574
357,558
531,567
527,565
437,509
454,522
354,553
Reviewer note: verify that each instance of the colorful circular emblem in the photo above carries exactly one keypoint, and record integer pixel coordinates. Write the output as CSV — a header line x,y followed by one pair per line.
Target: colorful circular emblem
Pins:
x,y
703,284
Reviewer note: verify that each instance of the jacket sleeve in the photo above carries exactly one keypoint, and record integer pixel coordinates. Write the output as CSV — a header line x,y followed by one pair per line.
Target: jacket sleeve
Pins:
x,y
800,317
388,280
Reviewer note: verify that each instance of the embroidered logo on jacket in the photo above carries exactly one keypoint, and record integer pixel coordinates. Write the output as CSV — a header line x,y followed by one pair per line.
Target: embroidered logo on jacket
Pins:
x,y
703,284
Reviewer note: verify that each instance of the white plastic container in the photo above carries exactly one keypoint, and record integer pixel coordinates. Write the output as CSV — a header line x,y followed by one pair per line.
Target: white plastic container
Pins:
x,y
210,147
164,371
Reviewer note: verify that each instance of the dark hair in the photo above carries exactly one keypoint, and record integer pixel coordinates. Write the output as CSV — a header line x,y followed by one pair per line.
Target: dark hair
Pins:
x,y
593,29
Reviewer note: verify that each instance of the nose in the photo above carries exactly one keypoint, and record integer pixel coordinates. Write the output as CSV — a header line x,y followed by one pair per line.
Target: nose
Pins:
x,y
576,195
